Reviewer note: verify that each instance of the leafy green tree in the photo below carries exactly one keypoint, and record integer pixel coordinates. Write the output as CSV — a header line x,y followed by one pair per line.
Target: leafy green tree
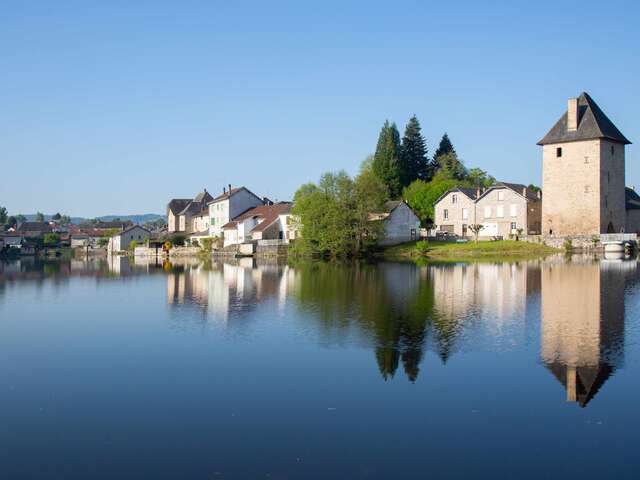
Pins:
x,y
132,245
51,239
370,196
56,217
3,215
421,195
21,218
39,217
533,188
386,158
65,220
414,164
479,178
11,222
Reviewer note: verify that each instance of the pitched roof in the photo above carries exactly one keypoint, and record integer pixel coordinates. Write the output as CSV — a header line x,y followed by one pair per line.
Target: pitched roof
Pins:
x,y
518,188
35,227
268,213
632,199
472,193
176,205
387,208
592,124
231,193
131,228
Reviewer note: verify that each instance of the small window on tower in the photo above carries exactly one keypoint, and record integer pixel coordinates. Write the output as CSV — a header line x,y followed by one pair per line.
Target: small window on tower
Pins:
x,y
612,150
559,152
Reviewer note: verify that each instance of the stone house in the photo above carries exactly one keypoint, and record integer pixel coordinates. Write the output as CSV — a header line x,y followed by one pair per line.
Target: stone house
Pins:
x,y
189,217
583,173
503,209
121,241
264,222
229,205
174,208
401,224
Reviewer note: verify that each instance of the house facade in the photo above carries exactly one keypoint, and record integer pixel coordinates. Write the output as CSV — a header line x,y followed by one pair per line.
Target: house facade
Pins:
x,y
264,222
228,206
121,241
583,173
503,209
400,223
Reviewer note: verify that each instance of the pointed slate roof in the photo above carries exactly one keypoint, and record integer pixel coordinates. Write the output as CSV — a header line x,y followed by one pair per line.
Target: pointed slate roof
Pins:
x,y
592,124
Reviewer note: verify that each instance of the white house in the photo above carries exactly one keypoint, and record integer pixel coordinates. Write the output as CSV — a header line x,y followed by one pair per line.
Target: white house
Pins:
x,y
228,206
12,239
264,222
120,242
401,224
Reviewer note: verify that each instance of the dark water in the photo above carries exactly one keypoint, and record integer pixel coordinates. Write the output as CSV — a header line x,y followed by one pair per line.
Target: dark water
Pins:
x,y
512,370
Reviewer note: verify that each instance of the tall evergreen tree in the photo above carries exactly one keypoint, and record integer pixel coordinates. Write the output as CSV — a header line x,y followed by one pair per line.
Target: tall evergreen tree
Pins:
x,y
414,164
445,148
386,159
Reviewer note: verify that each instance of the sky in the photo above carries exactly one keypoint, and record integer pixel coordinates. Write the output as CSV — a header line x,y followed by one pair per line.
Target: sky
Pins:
x,y
116,107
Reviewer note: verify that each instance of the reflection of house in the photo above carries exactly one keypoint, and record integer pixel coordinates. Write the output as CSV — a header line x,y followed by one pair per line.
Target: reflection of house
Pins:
x,y
401,224
265,222
582,325
503,209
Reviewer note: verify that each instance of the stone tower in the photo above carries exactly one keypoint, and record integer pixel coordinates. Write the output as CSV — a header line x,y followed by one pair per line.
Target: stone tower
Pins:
x,y
583,173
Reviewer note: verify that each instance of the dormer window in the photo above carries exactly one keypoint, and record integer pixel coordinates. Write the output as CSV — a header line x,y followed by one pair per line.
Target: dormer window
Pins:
x,y
559,152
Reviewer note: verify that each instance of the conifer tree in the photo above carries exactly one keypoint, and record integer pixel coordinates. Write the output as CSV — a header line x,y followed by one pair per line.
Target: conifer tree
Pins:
x,y
386,159
414,164
445,148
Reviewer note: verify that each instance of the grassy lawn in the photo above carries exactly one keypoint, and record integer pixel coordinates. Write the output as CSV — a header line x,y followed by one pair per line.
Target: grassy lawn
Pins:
x,y
498,250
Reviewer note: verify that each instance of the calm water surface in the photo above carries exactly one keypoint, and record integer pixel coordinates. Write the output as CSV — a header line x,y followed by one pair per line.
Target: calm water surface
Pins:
x,y
258,370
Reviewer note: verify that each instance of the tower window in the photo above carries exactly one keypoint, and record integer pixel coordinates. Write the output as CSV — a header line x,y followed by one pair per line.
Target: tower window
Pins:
x,y
612,150
559,152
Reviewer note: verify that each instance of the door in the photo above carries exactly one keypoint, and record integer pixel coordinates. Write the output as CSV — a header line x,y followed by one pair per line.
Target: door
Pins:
x,y
489,230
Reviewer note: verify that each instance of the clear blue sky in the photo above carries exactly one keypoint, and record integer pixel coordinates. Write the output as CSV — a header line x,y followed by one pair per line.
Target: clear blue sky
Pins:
x,y
114,107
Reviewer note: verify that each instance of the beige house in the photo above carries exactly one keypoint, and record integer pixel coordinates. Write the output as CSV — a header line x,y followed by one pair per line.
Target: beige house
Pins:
x,y
190,217
583,174
503,209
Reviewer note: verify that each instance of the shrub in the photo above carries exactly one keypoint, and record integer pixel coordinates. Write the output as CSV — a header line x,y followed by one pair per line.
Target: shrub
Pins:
x,y
567,245
206,244
51,239
177,239
132,245
422,247
167,245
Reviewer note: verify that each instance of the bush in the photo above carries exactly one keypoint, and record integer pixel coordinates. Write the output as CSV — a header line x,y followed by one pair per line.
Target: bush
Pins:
x,y
51,239
206,244
167,245
422,248
177,240
133,245
568,245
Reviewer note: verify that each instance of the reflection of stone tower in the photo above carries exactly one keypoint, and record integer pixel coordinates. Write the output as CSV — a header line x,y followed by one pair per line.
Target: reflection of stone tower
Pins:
x,y
582,327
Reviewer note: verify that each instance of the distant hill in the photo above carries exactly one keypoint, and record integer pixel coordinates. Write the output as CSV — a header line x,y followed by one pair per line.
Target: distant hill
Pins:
x,y
140,218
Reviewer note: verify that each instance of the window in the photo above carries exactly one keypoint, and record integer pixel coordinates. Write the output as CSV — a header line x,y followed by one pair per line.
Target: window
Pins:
x,y
454,199
514,226
501,195
606,201
612,150
586,159
500,211
465,213
586,189
608,177
513,210
446,214
559,152
487,212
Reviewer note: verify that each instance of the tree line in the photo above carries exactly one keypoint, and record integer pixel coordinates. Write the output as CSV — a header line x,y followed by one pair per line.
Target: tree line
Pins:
x,y
11,221
335,213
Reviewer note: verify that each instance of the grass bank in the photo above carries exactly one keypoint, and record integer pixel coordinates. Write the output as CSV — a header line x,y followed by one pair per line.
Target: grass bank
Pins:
x,y
498,250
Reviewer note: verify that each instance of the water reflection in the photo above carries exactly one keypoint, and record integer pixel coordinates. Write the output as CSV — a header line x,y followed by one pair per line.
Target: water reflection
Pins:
x,y
403,311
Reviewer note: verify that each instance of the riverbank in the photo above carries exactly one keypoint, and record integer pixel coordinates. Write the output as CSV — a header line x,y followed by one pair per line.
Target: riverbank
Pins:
x,y
498,250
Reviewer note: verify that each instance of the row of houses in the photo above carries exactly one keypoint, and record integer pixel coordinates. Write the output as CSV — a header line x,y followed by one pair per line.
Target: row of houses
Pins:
x,y
503,210
236,216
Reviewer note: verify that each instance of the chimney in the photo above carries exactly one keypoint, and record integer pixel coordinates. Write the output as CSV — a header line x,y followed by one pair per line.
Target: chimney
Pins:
x,y
229,188
524,192
224,190
478,192
539,194
572,115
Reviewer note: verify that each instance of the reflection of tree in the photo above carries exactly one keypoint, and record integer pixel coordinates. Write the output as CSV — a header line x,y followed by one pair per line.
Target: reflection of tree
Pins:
x,y
388,302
